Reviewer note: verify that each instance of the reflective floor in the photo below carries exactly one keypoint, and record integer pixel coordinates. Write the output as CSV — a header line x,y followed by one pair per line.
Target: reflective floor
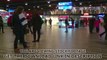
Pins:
x,y
55,38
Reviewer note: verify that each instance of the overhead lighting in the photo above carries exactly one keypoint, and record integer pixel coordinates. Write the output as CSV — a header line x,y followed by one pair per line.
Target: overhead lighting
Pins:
x,y
80,3
26,3
90,5
27,14
86,16
28,9
41,8
37,6
33,6
8,0
49,5
48,2
76,0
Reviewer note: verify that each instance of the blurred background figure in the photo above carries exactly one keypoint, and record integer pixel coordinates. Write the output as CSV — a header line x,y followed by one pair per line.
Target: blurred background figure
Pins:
x,y
66,25
1,25
36,24
50,22
72,22
105,26
45,21
97,24
91,24
9,21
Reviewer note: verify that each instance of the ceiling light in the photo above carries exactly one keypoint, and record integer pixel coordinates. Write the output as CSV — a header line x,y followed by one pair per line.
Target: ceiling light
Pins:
x,y
37,6
27,14
48,2
49,5
28,9
41,8
8,0
90,5
80,3
33,6
26,3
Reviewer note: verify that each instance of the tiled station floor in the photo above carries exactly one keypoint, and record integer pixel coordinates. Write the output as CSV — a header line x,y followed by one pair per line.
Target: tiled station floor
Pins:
x,y
56,38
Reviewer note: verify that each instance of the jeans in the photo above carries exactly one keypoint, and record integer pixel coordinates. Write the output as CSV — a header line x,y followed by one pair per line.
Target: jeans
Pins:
x,y
38,31
19,36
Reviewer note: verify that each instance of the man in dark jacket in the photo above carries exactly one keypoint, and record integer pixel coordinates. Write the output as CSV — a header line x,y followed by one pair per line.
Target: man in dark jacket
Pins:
x,y
91,24
37,24
1,24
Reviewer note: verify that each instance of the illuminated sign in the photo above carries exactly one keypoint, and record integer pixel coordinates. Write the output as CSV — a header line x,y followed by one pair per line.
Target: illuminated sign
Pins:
x,y
101,15
64,5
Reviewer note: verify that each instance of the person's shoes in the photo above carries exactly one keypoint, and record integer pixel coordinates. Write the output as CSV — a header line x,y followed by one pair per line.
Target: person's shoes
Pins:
x,y
16,50
91,32
34,41
66,31
26,47
37,40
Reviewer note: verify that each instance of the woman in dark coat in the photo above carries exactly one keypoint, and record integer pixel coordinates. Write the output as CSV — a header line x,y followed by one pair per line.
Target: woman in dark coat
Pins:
x,y
37,24
18,27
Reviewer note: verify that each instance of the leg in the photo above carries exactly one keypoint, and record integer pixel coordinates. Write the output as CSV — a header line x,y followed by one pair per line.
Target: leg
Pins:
x,y
90,29
106,36
102,33
39,33
16,41
34,35
66,29
97,29
2,29
30,29
23,41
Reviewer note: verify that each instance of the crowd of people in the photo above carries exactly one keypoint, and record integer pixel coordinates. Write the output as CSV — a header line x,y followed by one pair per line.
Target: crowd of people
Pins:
x,y
20,26
95,22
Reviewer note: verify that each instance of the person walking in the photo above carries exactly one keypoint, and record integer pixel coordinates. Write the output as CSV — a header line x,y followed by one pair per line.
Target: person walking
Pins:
x,y
1,25
91,24
66,25
97,24
36,24
18,22
50,22
105,26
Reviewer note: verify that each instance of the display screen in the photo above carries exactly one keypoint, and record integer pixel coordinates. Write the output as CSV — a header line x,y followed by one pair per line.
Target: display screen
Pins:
x,y
64,5
101,15
10,10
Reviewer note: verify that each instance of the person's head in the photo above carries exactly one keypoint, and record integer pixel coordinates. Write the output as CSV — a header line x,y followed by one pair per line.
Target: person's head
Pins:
x,y
34,12
19,10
